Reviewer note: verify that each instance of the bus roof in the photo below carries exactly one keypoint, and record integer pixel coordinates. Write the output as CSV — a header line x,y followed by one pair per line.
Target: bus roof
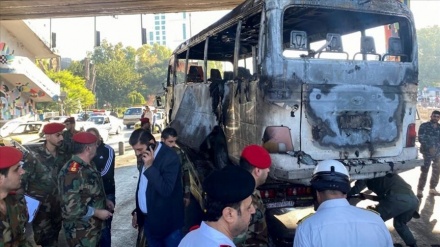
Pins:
x,y
223,31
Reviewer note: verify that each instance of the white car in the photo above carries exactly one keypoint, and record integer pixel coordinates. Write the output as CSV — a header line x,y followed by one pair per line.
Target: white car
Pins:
x,y
159,122
132,115
29,132
116,125
109,123
57,119
9,126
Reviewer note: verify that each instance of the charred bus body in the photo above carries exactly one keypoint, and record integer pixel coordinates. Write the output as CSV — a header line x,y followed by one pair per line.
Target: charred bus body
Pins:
x,y
308,80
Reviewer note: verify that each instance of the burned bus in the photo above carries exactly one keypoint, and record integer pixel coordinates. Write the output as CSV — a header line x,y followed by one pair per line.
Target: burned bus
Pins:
x,y
308,80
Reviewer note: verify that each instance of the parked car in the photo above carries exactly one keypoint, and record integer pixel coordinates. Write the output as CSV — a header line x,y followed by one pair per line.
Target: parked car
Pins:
x,y
159,122
26,132
132,115
57,119
111,124
9,126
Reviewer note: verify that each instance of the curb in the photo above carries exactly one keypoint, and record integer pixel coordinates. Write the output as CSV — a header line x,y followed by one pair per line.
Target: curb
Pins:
x,y
127,159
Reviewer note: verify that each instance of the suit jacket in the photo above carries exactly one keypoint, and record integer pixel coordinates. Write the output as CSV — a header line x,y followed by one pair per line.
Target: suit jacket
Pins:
x,y
164,194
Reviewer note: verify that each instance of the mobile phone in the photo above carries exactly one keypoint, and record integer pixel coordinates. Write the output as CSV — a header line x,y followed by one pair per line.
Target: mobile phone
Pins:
x,y
152,145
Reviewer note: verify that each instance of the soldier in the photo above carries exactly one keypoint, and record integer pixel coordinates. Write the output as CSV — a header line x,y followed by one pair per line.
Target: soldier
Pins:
x,y
169,138
336,222
13,211
429,138
105,163
228,208
256,160
145,124
40,181
396,200
68,134
82,194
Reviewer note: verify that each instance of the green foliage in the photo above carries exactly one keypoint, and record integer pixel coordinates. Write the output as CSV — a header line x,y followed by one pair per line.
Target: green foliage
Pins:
x,y
77,68
152,64
77,95
429,56
215,65
126,76
116,76
135,98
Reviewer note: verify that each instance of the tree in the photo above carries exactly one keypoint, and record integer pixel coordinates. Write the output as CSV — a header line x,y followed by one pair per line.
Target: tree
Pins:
x,y
77,95
136,98
77,68
152,64
116,76
429,56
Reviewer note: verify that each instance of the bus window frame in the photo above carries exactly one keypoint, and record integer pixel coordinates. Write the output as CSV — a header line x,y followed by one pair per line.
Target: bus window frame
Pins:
x,y
261,38
405,33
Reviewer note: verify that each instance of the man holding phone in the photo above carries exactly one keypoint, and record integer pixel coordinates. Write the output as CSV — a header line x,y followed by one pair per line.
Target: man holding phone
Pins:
x,y
159,193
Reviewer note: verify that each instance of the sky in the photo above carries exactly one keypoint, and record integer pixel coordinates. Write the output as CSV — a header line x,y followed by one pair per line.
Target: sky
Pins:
x,y
75,35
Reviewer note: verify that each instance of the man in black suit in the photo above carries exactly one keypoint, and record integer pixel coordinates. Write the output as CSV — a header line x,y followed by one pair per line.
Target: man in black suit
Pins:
x,y
159,205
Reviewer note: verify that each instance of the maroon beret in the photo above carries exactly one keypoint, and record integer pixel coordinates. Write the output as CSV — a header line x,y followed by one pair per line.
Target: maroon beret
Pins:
x,y
10,157
70,120
52,128
84,138
257,156
145,120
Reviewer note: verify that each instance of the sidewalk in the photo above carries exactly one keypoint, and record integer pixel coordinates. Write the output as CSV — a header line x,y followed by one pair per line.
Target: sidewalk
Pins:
x,y
127,159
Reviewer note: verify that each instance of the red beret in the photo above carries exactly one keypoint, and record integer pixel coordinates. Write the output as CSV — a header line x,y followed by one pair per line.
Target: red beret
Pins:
x,y
145,120
10,157
84,138
52,128
257,156
70,120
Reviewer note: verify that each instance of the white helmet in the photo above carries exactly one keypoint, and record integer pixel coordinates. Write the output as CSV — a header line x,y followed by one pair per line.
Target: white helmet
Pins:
x,y
331,175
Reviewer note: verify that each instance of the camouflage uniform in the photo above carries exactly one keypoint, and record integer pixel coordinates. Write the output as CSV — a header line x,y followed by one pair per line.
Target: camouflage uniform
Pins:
x,y
81,190
396,200
256,235
429,137
13,224
40,182
186,166
67,140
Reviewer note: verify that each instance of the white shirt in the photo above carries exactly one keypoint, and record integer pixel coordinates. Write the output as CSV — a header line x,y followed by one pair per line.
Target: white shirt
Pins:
x,y
337,223
148,115
143,184
206,236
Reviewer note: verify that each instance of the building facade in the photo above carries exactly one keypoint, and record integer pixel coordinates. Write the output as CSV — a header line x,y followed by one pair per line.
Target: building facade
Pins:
x,y
22,83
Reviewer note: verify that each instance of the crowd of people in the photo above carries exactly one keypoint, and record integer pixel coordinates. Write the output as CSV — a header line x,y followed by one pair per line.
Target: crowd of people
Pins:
x,y
71,176
71,186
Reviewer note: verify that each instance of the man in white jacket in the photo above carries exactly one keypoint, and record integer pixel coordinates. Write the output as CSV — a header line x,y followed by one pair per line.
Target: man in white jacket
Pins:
x,y
336,222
